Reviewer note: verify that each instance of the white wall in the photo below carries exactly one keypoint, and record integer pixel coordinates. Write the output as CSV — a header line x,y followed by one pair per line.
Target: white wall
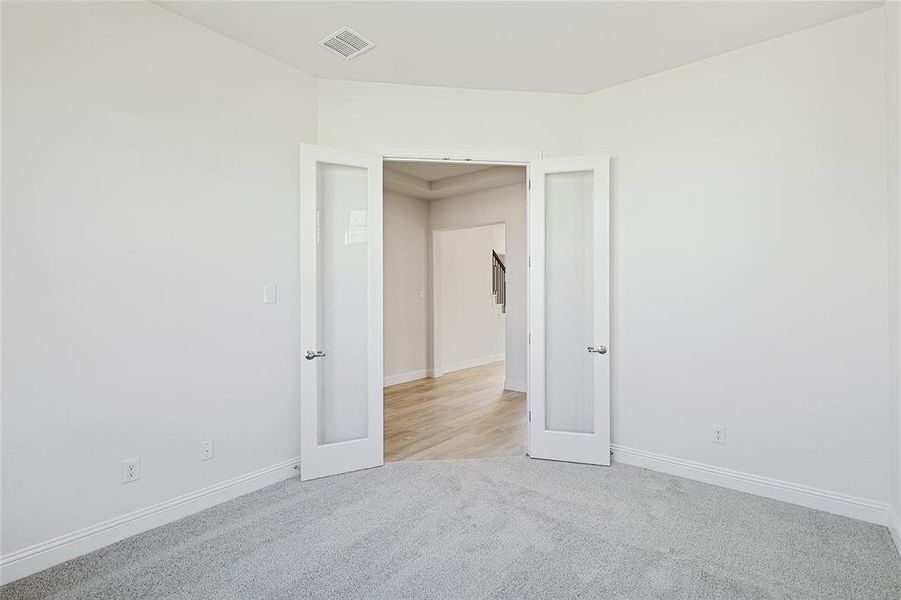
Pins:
x,y
469,325
499,205
498,240
406,269
749,258
150,187
893,122
359,115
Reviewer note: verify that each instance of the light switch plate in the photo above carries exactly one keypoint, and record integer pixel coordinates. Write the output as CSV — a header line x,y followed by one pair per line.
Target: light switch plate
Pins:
x,y
270,293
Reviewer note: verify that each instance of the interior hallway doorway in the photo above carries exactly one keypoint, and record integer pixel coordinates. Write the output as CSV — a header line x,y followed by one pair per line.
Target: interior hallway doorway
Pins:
x,y
455,310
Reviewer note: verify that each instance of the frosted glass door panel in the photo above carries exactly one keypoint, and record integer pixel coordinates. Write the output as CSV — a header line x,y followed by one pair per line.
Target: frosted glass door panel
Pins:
x,y
569,302
342,250
569,310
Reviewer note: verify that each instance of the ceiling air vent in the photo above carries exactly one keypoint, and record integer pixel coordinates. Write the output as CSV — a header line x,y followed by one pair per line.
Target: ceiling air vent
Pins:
x,y
347,42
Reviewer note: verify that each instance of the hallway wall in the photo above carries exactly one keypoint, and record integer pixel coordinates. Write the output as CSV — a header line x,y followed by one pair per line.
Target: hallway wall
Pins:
x,y
406,272
500,205
470,327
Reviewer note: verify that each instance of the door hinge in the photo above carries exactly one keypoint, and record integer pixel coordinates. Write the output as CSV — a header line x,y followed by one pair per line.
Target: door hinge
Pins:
x,y
530,337
530,261
530,416
530,184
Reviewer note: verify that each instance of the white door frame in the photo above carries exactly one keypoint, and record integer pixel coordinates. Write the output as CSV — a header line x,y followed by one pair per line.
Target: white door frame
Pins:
x,y
517,157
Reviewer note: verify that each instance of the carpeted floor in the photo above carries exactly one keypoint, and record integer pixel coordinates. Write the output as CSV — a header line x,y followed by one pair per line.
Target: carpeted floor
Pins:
x,y
490,528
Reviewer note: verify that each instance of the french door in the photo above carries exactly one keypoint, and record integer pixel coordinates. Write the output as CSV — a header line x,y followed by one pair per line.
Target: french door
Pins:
x,y
340,311
569,310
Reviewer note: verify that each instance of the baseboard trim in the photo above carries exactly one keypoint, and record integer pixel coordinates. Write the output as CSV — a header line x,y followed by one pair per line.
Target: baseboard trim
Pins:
x,y
810,497
514,385
472,362
407,377
894,526
38,557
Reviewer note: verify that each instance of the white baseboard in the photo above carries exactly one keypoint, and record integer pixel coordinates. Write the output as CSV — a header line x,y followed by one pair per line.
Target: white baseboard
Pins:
x,y
894,525
38,557
786,491
514,385
470,363
405,377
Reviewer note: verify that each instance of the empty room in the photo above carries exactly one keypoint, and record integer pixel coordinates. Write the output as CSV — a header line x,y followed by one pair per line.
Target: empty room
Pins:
x,y
486,299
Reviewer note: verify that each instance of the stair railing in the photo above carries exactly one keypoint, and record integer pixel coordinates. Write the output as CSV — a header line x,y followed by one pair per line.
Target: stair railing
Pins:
x,y
499,281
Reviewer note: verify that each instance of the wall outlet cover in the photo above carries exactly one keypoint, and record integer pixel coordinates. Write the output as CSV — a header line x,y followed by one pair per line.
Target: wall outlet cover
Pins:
x,y
206,450
131,470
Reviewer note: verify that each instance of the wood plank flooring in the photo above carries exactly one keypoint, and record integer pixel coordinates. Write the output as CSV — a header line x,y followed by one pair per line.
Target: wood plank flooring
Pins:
x,y
464,414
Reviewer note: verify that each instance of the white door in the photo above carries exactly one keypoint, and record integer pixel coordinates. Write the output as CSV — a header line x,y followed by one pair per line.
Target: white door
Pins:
x,y
340,311
569,310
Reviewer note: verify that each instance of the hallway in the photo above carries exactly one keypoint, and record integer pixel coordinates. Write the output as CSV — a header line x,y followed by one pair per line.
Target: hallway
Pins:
x,y
464,414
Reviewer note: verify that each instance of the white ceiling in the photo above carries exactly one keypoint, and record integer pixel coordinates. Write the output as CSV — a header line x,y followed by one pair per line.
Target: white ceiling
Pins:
x,y
431,181
556,46
430,171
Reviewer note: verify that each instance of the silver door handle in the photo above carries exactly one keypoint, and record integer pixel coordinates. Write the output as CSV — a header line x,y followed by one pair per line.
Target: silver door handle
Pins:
x,y
310,355
599,349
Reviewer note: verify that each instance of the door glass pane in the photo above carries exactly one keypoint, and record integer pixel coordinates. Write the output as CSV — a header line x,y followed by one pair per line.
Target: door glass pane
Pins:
x,y
342,249
569,292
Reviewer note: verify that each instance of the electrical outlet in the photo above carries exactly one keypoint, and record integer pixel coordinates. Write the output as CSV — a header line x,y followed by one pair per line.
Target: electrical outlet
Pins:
x,y
206,450
719,434
270,293
131,470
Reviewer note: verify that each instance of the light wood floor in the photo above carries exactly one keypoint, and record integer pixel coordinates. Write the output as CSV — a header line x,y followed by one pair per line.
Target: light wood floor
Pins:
x,y
464,414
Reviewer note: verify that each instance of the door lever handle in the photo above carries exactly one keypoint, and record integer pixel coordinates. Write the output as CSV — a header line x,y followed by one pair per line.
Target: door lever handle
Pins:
x,y
599,349
310,355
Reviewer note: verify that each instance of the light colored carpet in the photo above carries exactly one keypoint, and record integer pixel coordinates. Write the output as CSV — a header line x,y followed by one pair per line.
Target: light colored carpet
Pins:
x,y
490,528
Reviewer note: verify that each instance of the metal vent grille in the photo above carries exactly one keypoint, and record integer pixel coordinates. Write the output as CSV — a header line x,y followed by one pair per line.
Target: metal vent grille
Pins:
x,y
347,42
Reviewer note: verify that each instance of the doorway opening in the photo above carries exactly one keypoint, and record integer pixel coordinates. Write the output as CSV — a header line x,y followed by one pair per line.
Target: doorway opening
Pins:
x,y
455,288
